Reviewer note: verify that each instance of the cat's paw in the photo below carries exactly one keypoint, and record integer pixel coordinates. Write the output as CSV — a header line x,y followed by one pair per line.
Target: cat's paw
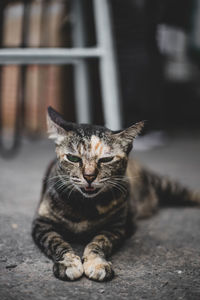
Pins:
x,y
97,268
70,268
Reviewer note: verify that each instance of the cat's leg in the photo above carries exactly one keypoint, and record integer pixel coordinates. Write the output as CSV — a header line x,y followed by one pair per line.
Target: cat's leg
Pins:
x,y
67,265
95,265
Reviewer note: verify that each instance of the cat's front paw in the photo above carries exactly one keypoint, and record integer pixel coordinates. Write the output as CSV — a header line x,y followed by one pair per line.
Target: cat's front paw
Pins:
x,y
97,268
70,268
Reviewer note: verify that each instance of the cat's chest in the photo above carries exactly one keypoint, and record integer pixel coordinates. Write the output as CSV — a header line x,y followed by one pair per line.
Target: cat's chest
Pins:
x,y
82,219
96,218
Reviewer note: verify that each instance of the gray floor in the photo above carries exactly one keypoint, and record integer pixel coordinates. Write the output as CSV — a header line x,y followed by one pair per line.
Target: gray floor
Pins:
x,y
161,261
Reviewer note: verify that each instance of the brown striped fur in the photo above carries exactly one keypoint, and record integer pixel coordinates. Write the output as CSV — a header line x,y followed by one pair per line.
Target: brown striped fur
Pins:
x,y
92,193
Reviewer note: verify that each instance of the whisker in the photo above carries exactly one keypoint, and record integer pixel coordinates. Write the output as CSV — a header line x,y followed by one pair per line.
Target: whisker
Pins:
x,y
65,189
57,176
61,184
121,188
73,187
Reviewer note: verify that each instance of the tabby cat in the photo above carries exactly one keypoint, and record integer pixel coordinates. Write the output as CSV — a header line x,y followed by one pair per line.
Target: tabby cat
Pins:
x,y
92,193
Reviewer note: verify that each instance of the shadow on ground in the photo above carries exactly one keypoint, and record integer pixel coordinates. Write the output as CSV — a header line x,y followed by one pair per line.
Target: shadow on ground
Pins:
x,y
161,261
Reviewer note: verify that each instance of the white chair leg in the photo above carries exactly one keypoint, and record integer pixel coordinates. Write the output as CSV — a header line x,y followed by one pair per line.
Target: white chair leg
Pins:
x,y
108,69
81,73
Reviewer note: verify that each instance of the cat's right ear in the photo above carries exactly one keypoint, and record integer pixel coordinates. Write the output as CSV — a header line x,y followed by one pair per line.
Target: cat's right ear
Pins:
x,y
56,126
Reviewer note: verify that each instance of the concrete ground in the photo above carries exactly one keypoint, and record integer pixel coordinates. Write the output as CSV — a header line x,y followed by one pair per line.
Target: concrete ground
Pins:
x,y
161,261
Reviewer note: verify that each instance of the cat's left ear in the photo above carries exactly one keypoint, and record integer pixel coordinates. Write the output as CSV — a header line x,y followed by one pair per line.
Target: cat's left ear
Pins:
x,y
127,135
57,127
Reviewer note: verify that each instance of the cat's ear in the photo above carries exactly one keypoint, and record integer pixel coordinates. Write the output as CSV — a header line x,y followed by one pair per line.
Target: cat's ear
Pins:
x,y
131,132
127,135
57,127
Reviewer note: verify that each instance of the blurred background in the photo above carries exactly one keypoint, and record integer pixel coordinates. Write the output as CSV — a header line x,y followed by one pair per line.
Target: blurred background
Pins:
x,y
156,52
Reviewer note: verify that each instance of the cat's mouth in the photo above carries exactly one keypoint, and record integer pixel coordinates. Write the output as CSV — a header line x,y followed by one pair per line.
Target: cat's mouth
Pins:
x,y
90,190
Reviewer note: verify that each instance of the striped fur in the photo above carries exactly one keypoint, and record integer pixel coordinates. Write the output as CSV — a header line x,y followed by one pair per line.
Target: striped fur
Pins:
x,y
92,194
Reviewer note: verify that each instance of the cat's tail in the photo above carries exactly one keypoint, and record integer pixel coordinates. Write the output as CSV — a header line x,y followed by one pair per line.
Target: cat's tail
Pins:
x,y
155,191
149,190
172,193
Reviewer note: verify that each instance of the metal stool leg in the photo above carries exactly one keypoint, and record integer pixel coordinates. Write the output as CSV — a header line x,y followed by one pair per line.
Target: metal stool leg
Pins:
x,y
81,72
108,69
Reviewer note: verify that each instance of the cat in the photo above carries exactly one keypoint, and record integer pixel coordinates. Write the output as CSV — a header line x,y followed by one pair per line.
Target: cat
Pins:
x,y
93,193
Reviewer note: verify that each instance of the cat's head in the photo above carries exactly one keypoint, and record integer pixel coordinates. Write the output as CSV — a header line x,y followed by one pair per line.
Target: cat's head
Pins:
x,y
92,158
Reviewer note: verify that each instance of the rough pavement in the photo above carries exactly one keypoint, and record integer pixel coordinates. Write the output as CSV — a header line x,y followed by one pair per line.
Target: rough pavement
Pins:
x,y
161,261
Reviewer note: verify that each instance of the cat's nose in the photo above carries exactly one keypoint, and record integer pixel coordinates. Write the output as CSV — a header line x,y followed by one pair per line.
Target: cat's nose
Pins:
x,y
90,177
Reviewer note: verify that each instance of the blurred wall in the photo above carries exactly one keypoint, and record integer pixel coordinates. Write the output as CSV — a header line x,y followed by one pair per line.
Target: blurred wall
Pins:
x,y
159,77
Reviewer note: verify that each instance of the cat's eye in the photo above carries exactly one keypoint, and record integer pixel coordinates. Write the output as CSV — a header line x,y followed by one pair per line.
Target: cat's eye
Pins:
x,y
73,158
105,160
